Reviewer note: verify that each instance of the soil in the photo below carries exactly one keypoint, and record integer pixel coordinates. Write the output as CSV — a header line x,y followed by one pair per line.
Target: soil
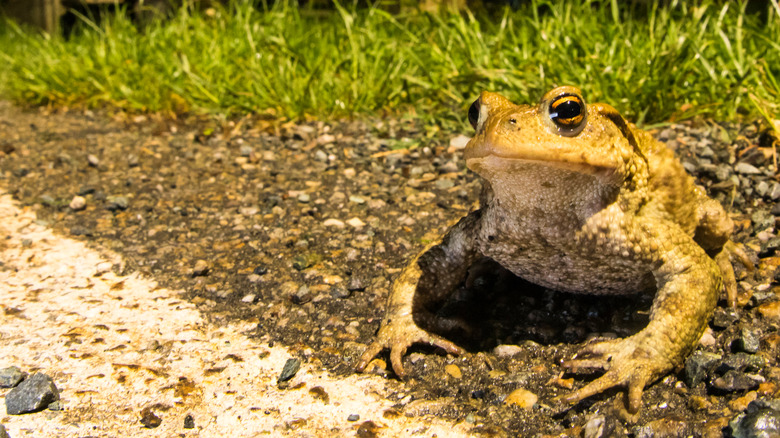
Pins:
x,y
297,230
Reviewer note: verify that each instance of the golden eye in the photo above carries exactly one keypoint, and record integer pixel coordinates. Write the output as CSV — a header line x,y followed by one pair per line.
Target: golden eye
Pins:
x,y
568,112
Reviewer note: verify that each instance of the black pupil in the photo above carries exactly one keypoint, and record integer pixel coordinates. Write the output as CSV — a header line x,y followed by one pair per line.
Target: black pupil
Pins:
x,y
568,110
474,114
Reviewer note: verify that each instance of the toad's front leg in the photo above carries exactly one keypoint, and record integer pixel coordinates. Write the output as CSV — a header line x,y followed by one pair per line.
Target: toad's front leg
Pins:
x,y
689,283
429,278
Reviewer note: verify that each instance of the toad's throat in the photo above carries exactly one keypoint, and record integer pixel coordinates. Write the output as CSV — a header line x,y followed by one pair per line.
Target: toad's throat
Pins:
x,y
549,189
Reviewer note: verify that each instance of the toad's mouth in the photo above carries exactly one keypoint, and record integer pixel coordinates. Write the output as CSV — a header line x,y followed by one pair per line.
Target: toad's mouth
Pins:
x,y
493,164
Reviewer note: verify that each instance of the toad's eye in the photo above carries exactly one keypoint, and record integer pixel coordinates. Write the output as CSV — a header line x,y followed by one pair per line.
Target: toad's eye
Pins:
x,y
568,113
474,114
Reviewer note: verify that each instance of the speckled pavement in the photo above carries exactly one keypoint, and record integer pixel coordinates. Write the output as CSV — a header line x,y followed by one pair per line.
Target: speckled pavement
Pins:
x,y
119,345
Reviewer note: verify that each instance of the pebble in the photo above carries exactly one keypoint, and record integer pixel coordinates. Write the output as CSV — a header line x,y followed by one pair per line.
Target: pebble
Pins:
x,y
698,365
355,222
114,203
3,432
289,370
11,376
201,268
320,156
724,318
102,268
189,422
746,169
762,420
770,310
304,198
340,292
747,341
149,419
663,427
522,398
325,139
248,298
444,184
459,142
78,203
357,199
505,350
302,296
353,417
735,381
32,395
93,160
453,371
775,193
245,150
357,282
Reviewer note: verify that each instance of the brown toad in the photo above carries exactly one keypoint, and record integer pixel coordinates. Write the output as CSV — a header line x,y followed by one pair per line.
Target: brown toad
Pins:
x,y
576,199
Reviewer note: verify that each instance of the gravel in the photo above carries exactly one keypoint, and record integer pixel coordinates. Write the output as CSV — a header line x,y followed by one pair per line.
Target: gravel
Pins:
x,y
33,394
278,216
11,376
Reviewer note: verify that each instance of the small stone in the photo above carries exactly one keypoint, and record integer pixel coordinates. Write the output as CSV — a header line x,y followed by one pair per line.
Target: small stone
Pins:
x,y
11,376
260,270
325,139
459,141
357,199
189,422
735,381
335,223
505,350
357,283
55,406
663,427
775,193
762,188
522,398
444,184
245,150
449,167
724,318
289,370
355,222
302,296
741,362
760,421
339,292
201,268
248,298
93,160
115,203
353,417
594,427
747,341
304,198
698,365
3,432
103,268
149,419
78,203
32,395
746,169
770,310
320,156
453,371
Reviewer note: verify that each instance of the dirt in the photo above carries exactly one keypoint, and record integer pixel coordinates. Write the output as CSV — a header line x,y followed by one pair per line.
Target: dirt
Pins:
x,y
294,232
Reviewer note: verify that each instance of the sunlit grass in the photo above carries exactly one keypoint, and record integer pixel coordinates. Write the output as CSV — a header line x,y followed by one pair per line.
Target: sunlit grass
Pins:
x,y
654,63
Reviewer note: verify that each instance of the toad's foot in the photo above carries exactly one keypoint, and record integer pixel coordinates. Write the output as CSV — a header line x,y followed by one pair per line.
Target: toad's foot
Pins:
x,y
398,335
627,363
723,259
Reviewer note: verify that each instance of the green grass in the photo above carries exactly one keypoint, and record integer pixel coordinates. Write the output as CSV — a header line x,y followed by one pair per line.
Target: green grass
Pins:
x,y
653,63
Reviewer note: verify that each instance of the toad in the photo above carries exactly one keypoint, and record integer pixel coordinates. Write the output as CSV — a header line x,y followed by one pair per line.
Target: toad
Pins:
x,y
578,200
